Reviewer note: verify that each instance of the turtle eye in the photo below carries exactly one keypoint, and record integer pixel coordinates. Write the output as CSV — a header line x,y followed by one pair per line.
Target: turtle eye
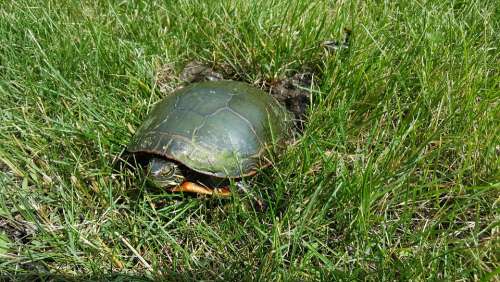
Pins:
x,y
167,171
159,167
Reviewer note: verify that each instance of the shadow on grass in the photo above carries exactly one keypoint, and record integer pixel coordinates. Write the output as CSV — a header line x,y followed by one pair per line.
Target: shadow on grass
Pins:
x,y
40,276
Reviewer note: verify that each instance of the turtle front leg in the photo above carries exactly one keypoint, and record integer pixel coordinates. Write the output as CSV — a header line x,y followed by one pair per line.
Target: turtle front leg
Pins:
x,y
256,202
191,187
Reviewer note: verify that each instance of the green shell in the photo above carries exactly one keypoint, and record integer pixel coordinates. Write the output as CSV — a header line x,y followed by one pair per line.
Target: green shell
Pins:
x,y
219,128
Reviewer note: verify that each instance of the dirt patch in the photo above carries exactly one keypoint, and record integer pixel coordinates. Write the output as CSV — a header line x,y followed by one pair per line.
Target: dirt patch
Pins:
x,y
3,167
196,72
294,93
164,78
17,229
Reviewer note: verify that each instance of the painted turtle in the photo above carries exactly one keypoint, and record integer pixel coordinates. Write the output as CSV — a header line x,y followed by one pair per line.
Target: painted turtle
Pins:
x,y
219,129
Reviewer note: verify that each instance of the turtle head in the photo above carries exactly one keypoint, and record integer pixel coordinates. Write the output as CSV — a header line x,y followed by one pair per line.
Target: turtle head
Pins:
x,y
163,173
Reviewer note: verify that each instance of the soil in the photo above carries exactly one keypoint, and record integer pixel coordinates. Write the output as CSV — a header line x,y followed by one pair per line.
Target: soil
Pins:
x,y
3,167
197,72
294,93
17,229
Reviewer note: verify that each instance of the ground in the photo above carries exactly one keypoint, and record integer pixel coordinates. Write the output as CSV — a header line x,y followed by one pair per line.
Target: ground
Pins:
x,y
395,175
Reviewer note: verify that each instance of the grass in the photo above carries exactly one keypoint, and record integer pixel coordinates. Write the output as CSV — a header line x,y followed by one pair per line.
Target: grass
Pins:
x,y
396,176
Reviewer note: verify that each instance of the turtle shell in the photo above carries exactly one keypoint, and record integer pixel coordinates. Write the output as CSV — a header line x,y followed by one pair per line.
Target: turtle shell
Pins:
x,y
219,128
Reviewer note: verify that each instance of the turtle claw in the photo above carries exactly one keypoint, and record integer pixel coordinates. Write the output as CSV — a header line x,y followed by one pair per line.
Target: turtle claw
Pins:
x,y
191,187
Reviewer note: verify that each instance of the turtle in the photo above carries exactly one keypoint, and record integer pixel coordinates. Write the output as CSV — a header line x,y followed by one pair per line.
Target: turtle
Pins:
x,y
216,129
